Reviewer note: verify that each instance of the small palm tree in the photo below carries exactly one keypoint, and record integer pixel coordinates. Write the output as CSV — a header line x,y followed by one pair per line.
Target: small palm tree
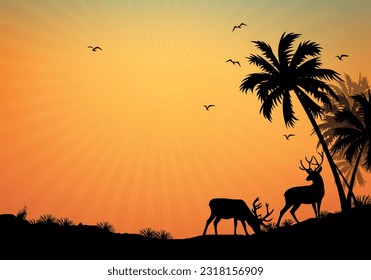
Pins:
x,y
48,218
296,72
65,222
163,234
148,232
106,226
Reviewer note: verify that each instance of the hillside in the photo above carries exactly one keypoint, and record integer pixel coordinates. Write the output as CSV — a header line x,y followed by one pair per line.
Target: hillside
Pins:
x,y
336,236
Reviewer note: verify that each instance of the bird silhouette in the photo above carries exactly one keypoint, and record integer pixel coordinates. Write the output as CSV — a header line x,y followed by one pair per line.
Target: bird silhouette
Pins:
x,y
238,26
94,49
234,62
208,106
288,136
340,57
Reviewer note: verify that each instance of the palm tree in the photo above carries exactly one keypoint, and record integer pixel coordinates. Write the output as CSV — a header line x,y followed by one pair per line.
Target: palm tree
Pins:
x,y
344,90
354,138
296,72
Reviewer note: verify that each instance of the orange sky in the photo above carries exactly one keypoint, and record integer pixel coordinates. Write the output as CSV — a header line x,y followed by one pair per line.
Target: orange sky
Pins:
x,y
121,135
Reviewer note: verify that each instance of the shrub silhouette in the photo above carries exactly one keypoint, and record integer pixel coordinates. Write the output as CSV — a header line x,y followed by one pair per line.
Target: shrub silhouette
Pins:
x,y
65,222
22,214
148,232
287,222
163,234
106,226
48,218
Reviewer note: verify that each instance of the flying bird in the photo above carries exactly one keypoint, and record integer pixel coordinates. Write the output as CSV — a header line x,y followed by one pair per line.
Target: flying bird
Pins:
x,y
288,136
238,26
234,62
208,106
94,49
340,57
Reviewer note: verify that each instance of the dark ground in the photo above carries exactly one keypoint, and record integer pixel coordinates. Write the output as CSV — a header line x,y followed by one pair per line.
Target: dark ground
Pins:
x,y
340,236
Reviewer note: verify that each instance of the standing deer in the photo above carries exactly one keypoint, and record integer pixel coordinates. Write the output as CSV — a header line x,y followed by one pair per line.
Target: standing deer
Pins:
x,y
311,194
226,208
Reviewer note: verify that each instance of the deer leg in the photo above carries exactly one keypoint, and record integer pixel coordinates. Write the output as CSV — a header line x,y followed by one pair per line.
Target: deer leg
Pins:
x,y
318,209
208,222
293,210
283,211
244,226
216,221
235,226
314,205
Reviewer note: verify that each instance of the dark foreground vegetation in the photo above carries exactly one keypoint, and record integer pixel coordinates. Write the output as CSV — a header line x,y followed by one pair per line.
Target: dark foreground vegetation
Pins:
x,y
337,236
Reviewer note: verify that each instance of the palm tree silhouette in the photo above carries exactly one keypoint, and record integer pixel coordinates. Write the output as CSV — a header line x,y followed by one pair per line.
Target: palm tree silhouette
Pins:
x,y
298,72
354,138
344,90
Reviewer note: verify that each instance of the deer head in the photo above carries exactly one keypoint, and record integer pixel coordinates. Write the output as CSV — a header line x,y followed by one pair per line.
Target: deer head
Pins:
x,y
312,173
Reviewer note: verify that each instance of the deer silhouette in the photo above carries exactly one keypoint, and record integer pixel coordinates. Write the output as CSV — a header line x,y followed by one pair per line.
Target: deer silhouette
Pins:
x,y
311,194
227,208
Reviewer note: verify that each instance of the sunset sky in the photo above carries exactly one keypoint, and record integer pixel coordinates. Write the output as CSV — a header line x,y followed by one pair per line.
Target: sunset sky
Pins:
x,y
121,135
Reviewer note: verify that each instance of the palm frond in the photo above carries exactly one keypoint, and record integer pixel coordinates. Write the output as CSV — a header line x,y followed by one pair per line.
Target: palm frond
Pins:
x,y
270,102
262,63
268,52
285,48
304,50
288,111
367,162
348,117
252,80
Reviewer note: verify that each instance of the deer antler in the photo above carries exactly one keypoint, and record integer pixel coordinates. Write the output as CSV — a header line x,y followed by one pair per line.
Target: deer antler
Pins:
x,y
318,164
256,207
264,219
310,163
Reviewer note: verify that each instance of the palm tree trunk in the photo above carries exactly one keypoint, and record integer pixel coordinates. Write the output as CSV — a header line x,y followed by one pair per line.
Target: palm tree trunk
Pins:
x,y
352,179
339,186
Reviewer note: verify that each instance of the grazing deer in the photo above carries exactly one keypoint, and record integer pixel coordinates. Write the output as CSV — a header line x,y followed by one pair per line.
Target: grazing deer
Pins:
x,y
226,208
311,194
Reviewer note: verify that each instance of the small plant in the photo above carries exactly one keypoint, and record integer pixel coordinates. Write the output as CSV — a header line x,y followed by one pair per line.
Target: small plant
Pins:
x,y
33,221
269,227
287,222
48,218
106,226
22,214
163,234
323,214
65,222
148,232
